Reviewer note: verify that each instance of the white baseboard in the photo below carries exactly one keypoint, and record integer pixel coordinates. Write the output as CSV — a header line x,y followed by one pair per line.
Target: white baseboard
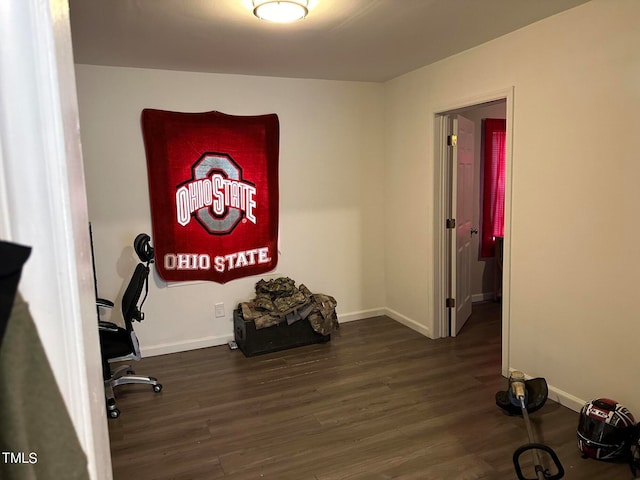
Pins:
x,y
565,399
407,322
351,317
186,345
560,396
377,312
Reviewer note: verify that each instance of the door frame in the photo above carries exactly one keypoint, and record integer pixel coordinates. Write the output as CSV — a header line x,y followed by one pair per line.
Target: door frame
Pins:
x,y
442,190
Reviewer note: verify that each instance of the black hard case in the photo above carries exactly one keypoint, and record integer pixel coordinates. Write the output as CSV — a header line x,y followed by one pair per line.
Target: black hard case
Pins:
x,y
252,341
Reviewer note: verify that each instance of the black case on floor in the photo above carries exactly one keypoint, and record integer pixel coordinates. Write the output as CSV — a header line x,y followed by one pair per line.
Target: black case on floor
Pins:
x,y
252,341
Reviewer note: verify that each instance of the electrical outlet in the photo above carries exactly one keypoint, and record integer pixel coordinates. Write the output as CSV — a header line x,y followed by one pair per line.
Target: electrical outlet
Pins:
x,y
219,310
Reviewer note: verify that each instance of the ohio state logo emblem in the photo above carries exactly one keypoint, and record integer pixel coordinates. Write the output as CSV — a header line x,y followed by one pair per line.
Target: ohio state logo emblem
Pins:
x,y
217,196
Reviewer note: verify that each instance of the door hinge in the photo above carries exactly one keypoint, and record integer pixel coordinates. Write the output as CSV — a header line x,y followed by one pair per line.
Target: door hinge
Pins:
x,y
451,223
452,140
451,303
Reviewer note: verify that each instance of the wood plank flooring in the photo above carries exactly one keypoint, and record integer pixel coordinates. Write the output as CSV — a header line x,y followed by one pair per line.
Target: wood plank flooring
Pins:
x,y
379,401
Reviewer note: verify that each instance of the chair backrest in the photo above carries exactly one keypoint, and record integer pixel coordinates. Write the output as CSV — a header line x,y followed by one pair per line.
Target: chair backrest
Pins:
x,y
131,297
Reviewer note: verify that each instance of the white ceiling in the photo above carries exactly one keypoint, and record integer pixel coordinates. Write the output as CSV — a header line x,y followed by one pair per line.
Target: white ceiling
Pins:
x,y
365,40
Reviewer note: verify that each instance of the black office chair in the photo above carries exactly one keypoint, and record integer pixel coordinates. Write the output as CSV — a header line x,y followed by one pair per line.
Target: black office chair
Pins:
x,y
121,344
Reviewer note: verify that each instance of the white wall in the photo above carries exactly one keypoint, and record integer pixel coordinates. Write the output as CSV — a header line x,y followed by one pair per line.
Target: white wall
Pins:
x,y
574,264
43,205
331,163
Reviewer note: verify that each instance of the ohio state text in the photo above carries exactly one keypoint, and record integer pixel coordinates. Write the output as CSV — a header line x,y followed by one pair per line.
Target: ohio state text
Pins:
x,y
220,263
218,193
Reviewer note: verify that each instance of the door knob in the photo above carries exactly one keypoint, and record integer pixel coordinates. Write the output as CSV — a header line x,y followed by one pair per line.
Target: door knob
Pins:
x,y
474,230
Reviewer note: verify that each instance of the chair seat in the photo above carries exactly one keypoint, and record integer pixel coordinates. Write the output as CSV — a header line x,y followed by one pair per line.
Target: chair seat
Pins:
x,y
115,344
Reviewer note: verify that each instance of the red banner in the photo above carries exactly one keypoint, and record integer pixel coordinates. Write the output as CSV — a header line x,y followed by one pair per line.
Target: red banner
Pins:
x,y
213,188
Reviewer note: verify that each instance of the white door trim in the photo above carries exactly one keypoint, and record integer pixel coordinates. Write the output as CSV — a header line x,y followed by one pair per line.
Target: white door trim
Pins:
x,y
441,186
43,205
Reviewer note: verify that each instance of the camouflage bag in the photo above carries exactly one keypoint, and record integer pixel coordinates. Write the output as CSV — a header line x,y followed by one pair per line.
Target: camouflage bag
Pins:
x,y
279,300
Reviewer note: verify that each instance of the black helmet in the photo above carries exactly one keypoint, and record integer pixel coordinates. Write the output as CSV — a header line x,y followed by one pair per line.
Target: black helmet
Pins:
x,y
635,452
605,429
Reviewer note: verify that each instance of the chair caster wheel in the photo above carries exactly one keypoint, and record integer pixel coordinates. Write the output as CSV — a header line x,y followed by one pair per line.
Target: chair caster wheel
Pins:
x,y
115,413
157,388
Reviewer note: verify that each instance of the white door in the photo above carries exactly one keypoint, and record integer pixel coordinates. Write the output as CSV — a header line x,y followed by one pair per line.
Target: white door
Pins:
x,y
462,208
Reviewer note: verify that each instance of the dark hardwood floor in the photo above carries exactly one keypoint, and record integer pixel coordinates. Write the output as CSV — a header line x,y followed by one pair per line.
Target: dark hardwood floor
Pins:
x,y
379,401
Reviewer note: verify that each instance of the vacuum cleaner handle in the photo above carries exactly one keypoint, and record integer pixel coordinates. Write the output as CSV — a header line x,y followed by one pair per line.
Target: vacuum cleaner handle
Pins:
x,y
542,473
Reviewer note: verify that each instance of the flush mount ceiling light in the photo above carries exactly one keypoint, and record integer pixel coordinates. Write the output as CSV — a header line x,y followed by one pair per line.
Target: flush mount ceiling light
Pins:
x,y
281,11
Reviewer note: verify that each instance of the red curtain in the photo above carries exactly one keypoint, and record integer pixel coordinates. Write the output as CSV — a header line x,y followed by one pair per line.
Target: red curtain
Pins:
x,y
493,191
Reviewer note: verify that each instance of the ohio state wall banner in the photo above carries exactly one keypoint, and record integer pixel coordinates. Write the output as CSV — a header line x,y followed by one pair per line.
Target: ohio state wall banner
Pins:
x,y
213,188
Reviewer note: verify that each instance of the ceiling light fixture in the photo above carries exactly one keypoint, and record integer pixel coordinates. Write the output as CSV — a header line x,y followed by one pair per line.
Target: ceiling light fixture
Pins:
x,y
281,11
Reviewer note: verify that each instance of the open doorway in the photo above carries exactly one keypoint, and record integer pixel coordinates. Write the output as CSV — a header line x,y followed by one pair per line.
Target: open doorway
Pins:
x,y
483,273
468,283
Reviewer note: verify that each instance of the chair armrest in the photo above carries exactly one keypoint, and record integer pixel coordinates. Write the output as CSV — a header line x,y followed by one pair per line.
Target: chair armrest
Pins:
x,y
107,326
103,302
